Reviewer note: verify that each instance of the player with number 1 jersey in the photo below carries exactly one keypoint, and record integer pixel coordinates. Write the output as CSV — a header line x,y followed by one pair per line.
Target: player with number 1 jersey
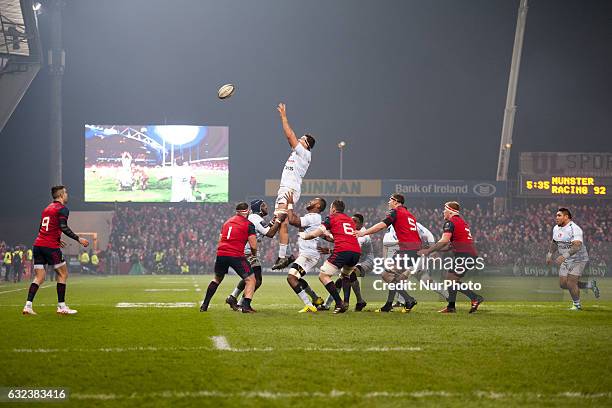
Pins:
x,y
235,233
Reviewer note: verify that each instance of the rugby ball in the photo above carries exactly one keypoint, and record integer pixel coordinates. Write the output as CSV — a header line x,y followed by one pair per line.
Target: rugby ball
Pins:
x,y
226,91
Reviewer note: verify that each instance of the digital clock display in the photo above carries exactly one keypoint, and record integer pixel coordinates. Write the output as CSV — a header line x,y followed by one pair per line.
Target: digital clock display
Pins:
x,y
596,187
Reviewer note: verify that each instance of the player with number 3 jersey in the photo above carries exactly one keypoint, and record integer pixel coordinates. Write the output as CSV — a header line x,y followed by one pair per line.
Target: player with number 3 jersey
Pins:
x,y
456,232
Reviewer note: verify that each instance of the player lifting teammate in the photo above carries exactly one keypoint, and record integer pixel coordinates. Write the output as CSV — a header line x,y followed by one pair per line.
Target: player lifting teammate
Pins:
x,y
365,266
291,181
259,209
568,241
309,255
346,249
54,221
419,271
409,242
235,234
456,232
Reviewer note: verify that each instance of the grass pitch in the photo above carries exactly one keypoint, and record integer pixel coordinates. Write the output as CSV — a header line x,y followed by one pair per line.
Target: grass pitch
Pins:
x,y
507,354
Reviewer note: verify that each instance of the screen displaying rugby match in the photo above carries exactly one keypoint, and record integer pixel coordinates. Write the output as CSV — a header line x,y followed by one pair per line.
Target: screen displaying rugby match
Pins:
x,y
156,163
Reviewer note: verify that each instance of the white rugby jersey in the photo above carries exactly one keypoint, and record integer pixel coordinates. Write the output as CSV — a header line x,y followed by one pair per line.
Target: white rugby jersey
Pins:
x,y
367,250
310,222
390,238
563,237
425,235
261,229
295,168
181,186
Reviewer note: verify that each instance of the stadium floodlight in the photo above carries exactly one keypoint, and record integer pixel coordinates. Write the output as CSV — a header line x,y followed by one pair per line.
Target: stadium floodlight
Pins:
x,y
36,6
178,134
341,146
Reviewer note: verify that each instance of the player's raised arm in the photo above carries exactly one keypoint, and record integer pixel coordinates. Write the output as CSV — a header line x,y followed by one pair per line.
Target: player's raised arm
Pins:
x,y
292,217
289,133
275,225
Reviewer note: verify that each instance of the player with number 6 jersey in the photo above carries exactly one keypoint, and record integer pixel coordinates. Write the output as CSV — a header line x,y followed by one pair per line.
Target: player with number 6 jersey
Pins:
x,y
346,249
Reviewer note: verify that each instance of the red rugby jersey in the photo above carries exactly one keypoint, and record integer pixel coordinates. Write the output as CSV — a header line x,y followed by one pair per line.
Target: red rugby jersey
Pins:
x,y
49,232
234,236
405,226
461,237
342,228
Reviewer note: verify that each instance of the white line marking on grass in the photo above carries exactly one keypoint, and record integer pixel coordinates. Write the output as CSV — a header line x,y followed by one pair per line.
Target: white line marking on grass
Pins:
x,y
17,290
198,290
55,304
154,304
166,290
221,343
115,349
271,395
349,349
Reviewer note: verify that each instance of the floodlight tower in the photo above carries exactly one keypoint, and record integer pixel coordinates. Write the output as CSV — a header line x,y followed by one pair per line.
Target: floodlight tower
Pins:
x,y
506,137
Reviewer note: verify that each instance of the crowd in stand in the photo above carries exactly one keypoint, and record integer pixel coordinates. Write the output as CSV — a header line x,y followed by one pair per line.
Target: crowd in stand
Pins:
x,y
152,239
165,239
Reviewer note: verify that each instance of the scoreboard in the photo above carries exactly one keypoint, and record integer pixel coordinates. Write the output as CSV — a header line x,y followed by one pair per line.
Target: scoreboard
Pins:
x,y
565,186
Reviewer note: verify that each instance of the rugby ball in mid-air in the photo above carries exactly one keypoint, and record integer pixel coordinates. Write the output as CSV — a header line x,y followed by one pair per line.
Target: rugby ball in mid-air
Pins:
x,y
226,91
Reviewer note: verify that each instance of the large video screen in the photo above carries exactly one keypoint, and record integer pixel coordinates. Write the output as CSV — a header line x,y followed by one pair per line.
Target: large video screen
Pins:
x,y
156,163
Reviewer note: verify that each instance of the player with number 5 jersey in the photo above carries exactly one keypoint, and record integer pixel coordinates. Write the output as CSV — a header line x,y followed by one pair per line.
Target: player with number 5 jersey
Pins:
x,y
409,242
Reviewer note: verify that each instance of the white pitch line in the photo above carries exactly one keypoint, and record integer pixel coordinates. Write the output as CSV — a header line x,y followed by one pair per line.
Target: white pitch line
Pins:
x,y
221,343
155,304
55,305
17,290
173,282
271,395
166,290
